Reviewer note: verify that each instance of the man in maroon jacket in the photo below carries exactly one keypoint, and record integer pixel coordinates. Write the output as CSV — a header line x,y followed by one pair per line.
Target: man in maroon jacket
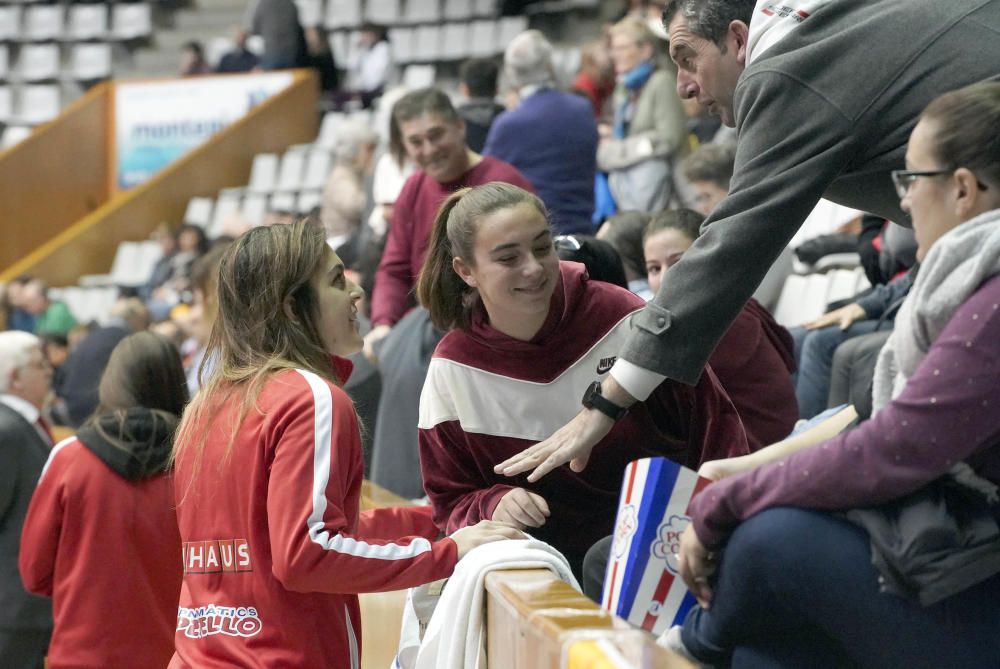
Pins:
x,y
434,136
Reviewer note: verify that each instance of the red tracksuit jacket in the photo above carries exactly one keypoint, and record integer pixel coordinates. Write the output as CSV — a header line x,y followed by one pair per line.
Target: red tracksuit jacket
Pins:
x,y
275,549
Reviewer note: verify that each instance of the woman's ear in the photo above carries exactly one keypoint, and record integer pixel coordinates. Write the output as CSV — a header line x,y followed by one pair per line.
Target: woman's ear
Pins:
x,y
463,271
288,306
966,191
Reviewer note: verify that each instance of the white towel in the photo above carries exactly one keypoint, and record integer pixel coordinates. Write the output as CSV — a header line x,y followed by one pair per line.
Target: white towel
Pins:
x,y
455,635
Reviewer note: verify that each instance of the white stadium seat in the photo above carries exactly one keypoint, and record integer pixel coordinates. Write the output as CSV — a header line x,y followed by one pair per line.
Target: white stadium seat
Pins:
x,y
342,14
10,23
43,22
263,173
6,104
131,21
382,12
422,11
458,10
199,211
87,22
293,166
91,61
483,40
39,62
38,103
427,43
455,41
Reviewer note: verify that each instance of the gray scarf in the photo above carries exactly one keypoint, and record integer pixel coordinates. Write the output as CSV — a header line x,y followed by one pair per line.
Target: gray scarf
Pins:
x,y
958,263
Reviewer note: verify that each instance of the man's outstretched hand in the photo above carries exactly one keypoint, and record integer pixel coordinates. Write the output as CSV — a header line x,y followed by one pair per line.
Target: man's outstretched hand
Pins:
x,y
572,443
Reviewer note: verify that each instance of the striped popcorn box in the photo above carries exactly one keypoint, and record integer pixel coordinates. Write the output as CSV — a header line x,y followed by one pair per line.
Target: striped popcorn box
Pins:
x,y
641,584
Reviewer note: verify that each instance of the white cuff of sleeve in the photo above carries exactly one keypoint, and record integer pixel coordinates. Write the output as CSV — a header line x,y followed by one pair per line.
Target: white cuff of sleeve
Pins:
x,y
638,381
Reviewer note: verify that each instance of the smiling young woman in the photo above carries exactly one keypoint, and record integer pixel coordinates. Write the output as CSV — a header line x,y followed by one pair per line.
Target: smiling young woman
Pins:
x,y
525,331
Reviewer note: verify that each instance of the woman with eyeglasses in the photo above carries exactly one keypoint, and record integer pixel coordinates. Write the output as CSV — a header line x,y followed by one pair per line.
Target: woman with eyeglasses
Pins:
x,y
879,547
524,332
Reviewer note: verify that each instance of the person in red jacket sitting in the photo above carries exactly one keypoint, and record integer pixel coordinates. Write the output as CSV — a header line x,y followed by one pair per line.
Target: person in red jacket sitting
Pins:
x,y
268,472
755,358
100,537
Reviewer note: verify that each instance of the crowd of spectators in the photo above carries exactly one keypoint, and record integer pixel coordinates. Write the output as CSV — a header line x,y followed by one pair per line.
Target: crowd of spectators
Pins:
x,y
448,248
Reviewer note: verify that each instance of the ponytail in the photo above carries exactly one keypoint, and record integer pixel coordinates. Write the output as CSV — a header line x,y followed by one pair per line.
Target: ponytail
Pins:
x,y
439,289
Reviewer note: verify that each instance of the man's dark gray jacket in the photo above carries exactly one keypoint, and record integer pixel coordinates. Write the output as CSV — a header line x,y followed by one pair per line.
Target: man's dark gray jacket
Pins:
x,y
825,112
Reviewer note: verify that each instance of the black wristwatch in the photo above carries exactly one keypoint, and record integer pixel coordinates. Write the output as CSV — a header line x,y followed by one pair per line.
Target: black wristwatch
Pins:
x,y
592,399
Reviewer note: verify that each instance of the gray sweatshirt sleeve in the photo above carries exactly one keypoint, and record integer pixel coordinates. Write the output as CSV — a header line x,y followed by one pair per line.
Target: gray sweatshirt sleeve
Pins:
x,y
792,143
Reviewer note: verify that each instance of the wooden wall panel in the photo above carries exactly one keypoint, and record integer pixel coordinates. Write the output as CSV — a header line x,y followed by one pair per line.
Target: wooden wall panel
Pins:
x,y
88,246
55,177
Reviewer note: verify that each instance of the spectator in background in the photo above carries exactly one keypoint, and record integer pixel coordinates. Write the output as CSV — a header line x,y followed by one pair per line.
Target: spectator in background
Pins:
x,y
50,315
392,170
596,79
201,318
434,136
649,131
477,83
369,68
277,21
597,256
193,60
321,58
101,532
239,58
550,136
345,202
708,171
18,318
175,280
25,620
55,347
755,359
87,361
624,231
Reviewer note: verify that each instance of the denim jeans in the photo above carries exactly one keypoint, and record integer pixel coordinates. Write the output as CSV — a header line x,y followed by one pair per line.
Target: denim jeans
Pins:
x,y
814,351
796,588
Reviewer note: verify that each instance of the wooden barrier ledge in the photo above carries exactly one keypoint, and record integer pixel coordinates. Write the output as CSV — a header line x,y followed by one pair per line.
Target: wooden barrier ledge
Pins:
x,y
536,621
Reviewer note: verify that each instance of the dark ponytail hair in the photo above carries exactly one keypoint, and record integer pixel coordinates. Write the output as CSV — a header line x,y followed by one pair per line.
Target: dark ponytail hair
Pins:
x,y
686,221
440,290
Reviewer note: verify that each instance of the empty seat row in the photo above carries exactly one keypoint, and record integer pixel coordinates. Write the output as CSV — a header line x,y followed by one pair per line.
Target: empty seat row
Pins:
x,y
442,42
805,297
44,62
87,303
340,14
249,207
40,23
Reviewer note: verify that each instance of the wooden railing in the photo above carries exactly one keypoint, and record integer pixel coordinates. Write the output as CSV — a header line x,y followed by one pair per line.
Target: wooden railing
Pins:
x,y
88,246
536,621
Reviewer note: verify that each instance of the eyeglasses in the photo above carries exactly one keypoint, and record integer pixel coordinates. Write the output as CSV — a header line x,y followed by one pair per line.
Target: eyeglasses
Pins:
x,y
566,243
903,179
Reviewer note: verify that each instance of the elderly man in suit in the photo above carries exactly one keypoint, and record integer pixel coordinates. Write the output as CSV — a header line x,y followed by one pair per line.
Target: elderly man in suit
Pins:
x,y
25,377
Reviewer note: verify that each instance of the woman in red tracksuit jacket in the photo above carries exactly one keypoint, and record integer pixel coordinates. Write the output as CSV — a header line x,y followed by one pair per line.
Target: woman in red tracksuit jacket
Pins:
x,y
268,473
100,536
